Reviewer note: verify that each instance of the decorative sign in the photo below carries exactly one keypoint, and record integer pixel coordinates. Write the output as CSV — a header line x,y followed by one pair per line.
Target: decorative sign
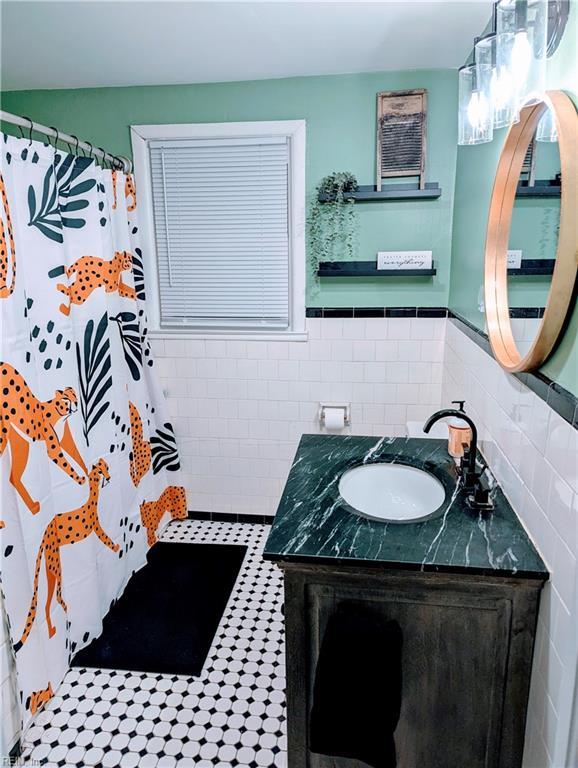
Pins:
x,y
514,259
404,260
401,135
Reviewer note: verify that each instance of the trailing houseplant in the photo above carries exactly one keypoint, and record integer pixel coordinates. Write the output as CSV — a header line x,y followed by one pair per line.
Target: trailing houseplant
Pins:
x,y
332,223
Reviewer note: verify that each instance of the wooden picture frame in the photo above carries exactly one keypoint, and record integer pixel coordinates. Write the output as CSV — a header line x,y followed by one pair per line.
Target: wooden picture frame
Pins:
x,y
560,297
402,150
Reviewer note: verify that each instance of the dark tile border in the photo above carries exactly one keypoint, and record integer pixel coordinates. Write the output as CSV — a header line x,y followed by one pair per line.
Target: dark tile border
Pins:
x,y
401,312
560,400
471,331
369,312
564,403
338,312
527,312
432,312
231,517
362,312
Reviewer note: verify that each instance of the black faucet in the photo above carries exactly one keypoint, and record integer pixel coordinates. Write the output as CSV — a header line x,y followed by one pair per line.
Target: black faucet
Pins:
x,y
468,462
475,481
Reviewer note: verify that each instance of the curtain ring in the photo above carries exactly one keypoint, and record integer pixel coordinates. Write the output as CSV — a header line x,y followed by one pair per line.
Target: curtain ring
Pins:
x,y
103,157
76,146
90,151
57,138
30,131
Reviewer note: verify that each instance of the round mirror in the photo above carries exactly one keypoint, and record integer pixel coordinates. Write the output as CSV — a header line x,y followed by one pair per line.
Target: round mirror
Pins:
x,y
532,237
534,230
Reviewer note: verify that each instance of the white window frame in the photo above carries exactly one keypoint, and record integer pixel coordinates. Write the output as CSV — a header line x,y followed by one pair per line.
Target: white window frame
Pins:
x,y
295,131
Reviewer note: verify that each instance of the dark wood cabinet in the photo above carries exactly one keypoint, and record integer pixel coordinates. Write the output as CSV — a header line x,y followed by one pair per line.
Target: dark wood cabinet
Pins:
x,y
466,661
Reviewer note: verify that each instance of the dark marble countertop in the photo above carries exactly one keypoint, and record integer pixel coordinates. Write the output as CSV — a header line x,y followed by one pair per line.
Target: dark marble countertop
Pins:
x,y
314,524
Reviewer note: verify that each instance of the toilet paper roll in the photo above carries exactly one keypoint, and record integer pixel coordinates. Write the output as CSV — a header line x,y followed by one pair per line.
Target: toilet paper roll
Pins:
x,y
334,418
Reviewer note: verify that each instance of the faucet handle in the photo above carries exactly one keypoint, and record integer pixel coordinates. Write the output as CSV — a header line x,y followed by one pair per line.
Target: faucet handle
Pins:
x,y
480,499
468,469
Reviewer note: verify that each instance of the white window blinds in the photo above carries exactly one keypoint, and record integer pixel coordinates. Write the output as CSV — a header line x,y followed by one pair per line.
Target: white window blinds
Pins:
x,y
221,223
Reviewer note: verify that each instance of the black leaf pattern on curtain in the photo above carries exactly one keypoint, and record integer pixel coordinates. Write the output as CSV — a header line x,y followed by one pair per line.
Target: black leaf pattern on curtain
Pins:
x,y
164,450
52,212
138,274
130,336
94,366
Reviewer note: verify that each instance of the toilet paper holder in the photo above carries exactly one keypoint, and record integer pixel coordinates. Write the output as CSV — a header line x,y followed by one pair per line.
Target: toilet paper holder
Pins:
x,y
345,407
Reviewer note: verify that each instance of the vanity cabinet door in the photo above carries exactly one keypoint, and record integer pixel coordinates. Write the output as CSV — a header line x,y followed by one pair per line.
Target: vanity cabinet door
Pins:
x,y
463,700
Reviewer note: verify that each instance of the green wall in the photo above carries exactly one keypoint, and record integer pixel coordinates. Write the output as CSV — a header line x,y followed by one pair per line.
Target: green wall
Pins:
x,y
474,178
340,114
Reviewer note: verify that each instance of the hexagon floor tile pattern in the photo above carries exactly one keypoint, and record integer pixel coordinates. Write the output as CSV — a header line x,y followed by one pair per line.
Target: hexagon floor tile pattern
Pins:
x,y
233,714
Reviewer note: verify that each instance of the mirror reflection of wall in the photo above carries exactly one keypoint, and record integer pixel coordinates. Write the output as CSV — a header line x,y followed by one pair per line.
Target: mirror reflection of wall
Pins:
x,y
534,233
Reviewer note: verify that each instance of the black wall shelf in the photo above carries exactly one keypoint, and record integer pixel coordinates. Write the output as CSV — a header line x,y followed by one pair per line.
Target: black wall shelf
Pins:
x,y
534,267
540,188
367,269
368,193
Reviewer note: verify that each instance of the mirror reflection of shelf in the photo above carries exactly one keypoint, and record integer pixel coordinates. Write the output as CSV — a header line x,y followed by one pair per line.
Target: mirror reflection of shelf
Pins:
x,y
367,269
534,267
540,188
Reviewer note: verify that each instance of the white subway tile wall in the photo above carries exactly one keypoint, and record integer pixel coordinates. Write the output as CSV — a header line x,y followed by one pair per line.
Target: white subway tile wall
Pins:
x,y
534,454
240,407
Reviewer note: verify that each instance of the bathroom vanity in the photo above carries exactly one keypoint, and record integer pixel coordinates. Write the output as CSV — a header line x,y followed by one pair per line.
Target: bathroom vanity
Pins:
x,y
463,585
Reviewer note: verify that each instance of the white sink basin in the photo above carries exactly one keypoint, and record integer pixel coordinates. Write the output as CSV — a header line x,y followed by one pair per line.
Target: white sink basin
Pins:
x,y
391,492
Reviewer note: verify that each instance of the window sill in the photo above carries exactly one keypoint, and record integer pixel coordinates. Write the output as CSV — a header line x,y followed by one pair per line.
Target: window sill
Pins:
x,y
188,335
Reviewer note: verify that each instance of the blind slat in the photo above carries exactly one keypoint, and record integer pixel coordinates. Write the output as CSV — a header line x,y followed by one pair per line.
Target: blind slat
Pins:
x,y
221,224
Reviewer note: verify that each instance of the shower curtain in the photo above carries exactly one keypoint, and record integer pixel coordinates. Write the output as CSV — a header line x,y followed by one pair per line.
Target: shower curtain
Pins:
x,y
88,461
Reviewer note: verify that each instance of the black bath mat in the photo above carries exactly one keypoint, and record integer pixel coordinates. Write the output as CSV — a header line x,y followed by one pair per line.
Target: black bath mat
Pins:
x,y
169,612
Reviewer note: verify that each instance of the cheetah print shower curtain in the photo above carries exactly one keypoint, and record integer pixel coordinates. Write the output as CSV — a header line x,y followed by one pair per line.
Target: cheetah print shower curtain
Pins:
x,y
86,451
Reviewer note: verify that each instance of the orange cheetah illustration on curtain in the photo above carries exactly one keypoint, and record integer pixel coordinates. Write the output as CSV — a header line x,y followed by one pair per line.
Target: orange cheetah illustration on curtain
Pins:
x,y
25,419
129,191
92,273
6,288
66,528
172,500
38,699
140,456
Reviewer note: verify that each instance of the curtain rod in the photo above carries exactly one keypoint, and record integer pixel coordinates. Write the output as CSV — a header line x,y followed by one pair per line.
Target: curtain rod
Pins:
x,y
120,162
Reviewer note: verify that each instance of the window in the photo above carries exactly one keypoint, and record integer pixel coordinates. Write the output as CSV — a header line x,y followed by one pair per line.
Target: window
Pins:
x,y
224,206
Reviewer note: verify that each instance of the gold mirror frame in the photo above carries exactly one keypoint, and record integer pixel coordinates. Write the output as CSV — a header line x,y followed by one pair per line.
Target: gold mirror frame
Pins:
x,y
500,217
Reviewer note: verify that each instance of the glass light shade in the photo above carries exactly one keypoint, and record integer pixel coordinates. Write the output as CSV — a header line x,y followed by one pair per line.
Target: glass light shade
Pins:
x,y
546,130
495,81
475,125
522,27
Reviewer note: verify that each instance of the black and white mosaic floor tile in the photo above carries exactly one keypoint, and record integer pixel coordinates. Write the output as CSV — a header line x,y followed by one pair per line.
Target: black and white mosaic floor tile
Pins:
x,y
232,715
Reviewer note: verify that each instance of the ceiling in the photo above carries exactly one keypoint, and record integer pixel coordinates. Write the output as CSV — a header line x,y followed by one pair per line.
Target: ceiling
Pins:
x,y
80,44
